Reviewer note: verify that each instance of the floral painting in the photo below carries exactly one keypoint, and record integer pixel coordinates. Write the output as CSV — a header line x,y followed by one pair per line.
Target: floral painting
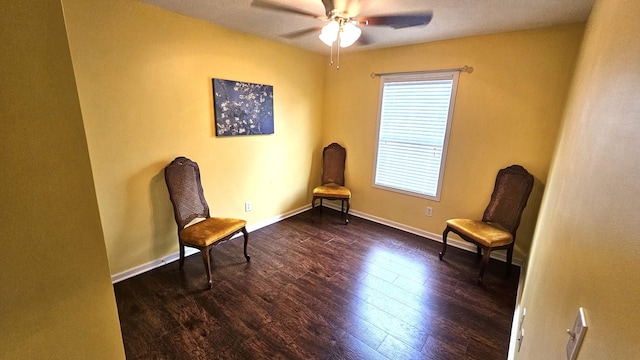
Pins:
x,y
242,108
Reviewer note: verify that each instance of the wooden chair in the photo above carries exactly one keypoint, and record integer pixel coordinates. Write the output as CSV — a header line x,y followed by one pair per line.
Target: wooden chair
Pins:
x,y
332,188
189,206
497,229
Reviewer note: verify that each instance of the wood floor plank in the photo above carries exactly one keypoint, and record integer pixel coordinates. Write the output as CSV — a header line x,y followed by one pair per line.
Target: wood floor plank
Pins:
x,y
319,289
398,350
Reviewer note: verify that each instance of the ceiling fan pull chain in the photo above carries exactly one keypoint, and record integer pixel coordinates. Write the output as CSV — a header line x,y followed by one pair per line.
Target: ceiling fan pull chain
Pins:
x,y
331,58
338,49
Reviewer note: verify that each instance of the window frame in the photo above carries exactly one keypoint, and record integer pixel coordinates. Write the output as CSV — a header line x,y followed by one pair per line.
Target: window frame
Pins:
x,y
418,76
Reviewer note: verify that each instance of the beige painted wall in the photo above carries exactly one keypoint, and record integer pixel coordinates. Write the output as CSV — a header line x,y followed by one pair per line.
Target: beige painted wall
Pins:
x,y
56,298
507,111
144,79
587,243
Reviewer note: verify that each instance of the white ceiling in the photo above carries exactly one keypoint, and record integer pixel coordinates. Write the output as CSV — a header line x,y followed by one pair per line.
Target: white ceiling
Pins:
x,y
451,18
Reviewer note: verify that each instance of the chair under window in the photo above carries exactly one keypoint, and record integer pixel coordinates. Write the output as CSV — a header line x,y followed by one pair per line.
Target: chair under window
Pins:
x,y
332,182
196,228
501,218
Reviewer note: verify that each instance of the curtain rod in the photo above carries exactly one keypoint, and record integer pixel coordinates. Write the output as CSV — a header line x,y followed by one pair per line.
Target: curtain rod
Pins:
x,y
467,69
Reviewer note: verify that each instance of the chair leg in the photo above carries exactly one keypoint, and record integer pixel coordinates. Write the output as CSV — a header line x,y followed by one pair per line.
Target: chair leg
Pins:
x,y
444,242
206,258
246,239
485,261
181,246
479,251
509,259
313,206
346,214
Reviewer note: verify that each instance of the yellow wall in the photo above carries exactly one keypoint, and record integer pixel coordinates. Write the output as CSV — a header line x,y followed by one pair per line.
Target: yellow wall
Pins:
x,y
144,83
56,298
144,79
507,111
587,243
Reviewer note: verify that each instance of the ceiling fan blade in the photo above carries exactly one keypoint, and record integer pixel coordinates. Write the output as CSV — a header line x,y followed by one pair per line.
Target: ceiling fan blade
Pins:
x,y
299,33
364,40
398,21
329,6
278,7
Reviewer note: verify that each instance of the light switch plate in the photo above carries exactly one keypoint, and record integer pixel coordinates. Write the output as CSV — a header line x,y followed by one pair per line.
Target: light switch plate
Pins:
x,y
520,334
576,335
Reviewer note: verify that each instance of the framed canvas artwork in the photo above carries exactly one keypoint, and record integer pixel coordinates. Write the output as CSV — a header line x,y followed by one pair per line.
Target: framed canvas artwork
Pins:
x,y
242,108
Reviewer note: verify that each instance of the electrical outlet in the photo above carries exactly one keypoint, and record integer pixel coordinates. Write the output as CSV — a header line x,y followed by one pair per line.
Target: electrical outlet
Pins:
x,y
429,211
247,206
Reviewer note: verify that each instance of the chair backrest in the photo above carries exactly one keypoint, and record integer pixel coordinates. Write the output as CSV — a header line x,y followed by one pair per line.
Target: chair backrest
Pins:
x,y
333,160
185,191
509,198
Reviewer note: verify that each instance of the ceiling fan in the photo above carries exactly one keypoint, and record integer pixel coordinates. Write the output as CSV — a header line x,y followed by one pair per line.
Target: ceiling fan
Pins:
x,y
343,27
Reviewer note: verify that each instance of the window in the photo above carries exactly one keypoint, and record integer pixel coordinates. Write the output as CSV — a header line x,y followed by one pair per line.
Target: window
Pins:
x,y
413,130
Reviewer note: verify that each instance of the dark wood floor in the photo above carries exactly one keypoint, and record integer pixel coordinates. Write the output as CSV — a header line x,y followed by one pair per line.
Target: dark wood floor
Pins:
x,y
318,289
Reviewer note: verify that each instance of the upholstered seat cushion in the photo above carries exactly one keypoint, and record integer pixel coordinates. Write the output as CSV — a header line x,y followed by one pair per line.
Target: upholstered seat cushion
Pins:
x,y
485,233
332,191
210,230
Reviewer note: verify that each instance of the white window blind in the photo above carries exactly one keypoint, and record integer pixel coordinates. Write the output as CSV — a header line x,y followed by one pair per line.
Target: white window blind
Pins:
x,y
414,121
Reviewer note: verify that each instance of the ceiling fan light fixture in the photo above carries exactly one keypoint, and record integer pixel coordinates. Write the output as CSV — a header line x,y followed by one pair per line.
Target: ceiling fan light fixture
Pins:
x,y
329,33
350,34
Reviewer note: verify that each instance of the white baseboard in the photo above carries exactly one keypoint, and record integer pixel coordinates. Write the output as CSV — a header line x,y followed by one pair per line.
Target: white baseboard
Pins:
x,y
431,236
189,251
461,244
150,265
